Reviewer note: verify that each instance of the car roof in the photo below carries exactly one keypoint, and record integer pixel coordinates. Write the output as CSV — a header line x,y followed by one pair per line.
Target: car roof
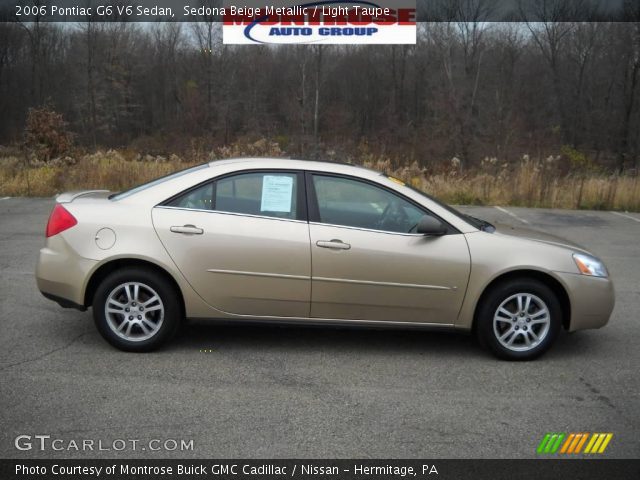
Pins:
x,y
271,162
174,186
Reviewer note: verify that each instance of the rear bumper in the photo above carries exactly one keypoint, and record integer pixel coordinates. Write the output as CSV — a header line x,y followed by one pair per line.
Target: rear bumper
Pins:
x,y
61,275
63,302
592,300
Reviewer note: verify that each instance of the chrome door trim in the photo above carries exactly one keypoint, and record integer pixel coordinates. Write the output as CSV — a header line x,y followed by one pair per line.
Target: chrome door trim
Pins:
x,y
259,274
369,230
383,284
231,213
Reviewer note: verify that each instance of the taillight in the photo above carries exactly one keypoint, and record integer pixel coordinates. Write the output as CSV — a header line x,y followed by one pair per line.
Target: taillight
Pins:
x,y
59,221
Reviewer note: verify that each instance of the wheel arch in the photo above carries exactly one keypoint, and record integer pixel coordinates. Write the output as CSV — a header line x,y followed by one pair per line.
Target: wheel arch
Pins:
x,y
111,266
543,277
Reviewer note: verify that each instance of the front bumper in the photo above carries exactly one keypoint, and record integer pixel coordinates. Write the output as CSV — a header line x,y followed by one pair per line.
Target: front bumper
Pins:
x,y
61,274
592,300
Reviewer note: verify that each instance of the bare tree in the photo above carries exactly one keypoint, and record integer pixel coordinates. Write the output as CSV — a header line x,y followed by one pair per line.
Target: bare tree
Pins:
x,y
469,88
318,50
207,32
631,85
91,33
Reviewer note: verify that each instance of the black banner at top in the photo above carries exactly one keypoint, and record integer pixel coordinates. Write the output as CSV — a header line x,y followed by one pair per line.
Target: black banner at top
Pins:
x,y
427,10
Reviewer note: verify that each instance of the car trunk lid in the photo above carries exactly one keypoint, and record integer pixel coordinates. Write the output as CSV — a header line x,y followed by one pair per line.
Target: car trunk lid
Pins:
x,y
68,197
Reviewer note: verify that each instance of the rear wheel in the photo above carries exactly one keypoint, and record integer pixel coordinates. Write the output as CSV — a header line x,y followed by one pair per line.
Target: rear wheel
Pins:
x,y
519,319
136,309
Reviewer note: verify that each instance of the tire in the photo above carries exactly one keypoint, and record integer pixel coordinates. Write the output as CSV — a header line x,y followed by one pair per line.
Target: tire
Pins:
x,y
513,332
136,310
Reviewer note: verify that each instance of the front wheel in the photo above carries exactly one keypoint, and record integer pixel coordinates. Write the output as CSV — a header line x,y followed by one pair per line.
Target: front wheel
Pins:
x,y
519,319
136,310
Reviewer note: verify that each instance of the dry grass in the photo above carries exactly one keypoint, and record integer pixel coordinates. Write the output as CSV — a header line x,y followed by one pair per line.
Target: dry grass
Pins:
x,y
525,182
100,172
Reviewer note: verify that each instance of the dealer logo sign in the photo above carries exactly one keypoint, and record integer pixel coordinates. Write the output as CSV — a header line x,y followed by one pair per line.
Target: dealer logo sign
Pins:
x,y
257,22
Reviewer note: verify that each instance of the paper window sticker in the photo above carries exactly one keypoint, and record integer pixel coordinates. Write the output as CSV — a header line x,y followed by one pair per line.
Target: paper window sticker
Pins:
x,y
277,191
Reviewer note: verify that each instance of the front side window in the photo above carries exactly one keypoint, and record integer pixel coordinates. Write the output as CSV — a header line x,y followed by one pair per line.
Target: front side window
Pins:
x,y
342,201
271,194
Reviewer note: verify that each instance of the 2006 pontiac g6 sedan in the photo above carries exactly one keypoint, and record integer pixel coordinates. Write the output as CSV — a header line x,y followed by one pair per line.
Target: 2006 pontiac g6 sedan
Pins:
x,y
310,242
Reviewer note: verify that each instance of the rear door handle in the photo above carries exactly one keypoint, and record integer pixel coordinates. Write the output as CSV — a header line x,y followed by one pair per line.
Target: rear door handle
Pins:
x,y
187,230
334,244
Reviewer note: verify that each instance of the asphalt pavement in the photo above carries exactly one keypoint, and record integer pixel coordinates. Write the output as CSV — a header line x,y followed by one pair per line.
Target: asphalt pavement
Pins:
x,y
286,392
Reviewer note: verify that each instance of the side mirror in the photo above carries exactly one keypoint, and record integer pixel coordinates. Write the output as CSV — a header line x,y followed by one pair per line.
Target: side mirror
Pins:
x,y
429,225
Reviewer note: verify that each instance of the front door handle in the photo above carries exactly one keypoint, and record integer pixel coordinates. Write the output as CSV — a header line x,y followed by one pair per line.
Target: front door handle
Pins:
x,y
187,230
334,244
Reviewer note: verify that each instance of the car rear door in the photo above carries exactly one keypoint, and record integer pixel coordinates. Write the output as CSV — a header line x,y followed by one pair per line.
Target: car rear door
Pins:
x,y
366,264
242,242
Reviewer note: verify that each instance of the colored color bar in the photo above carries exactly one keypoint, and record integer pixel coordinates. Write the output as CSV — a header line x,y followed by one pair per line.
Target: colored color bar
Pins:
x,y
572,443
567,443
558,442
550,443
596,445
582,440
594,437
576,439
543,443
606,441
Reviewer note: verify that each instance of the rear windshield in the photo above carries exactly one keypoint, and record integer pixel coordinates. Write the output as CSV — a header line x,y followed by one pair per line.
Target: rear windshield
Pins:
x,y
157,181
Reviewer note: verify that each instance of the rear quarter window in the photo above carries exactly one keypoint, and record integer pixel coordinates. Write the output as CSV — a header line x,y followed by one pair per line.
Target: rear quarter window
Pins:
x,y
157,181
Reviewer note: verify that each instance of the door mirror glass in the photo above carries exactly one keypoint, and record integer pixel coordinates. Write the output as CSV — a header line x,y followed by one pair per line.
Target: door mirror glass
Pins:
x,y
429,225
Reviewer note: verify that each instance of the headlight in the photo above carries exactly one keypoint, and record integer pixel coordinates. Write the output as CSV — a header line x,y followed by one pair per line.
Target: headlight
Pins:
x,y
589,265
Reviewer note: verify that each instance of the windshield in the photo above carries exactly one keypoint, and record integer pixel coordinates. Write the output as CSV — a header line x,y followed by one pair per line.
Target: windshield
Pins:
x,y
476,222
144,186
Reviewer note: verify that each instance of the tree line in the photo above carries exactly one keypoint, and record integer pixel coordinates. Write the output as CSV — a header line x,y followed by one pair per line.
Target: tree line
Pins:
x,y
468,90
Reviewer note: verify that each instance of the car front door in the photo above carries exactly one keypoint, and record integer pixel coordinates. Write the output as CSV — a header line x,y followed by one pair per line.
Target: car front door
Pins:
x,y
242,242
366,265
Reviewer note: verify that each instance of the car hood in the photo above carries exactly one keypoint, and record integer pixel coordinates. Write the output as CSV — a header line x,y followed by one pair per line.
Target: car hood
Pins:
x,y
538,236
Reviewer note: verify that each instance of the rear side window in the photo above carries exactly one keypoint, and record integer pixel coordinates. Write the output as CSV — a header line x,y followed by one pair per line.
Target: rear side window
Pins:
x,y
200,198
269,194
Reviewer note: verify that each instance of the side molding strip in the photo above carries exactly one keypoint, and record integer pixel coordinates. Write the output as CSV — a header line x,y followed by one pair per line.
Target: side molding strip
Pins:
x,y
259,274
383,284
333,280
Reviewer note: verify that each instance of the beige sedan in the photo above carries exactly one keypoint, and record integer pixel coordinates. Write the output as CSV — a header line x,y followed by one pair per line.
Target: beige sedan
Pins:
x,y
310,242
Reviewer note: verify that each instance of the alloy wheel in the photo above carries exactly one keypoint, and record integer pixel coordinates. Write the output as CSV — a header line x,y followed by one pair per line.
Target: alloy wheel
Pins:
x,y
521,322
134,311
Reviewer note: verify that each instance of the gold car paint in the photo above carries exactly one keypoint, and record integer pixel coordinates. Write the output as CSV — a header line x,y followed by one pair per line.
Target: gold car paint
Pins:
x,y
68,260
245,265
495,254
135,239
388,276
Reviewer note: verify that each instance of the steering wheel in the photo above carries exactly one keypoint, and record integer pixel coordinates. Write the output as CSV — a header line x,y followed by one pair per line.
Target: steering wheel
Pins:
x,y
393,217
